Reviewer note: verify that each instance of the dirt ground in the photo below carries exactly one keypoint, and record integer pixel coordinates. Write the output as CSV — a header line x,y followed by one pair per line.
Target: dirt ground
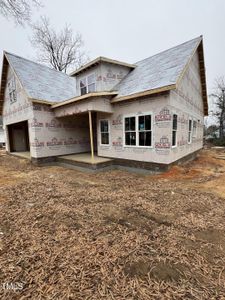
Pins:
x,y
65,234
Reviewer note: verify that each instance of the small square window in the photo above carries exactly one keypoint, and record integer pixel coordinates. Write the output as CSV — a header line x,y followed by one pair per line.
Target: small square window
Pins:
x,y
87,84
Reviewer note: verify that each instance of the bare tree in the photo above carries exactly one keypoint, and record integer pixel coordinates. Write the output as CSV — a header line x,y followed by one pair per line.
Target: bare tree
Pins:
x,y
219,96
19,10
61,50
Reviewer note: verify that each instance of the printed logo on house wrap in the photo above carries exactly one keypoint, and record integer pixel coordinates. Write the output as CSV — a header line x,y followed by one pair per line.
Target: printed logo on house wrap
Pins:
x,y
117,123
164,115
37,107
118,144
54,144
182,142
37,144
163,146
70,142
36,124
53,125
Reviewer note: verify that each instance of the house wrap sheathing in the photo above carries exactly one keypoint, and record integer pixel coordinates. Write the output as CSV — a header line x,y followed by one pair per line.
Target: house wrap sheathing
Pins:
x,y
150,112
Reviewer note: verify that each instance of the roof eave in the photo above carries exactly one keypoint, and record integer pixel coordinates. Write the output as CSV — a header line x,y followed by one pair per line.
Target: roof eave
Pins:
x,y
144,93
99,60
84,97
199,48
41,101
5,63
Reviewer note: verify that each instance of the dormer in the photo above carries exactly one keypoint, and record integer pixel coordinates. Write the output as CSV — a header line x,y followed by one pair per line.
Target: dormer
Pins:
x,y
100,75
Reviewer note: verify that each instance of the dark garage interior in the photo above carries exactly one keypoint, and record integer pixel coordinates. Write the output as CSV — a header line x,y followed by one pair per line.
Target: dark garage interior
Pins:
x,y
19,137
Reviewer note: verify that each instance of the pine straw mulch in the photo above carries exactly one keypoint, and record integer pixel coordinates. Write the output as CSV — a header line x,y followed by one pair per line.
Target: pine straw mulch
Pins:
x,y
113,235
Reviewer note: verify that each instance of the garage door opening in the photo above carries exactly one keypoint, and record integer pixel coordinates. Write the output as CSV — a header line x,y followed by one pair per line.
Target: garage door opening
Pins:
x,y
19,137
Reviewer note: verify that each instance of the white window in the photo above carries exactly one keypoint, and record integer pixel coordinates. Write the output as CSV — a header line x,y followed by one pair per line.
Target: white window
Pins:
x,y
12,90
87,84
189,131
104,130
194,133
174,131
130,131
138,130
145,130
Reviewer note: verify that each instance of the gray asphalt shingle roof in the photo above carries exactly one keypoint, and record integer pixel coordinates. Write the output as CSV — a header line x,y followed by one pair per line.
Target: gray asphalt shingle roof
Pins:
x,y
163,69
157,71
42,82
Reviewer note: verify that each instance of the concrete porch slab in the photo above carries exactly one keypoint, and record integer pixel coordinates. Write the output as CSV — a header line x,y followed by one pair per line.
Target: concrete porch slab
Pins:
x,y
85,160
25,154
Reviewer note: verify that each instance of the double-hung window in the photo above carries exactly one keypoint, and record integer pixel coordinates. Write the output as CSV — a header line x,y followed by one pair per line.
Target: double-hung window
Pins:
x,y
138,131
87,84
145,130
189,131
12,90
174,131
194,133
130,131
104,130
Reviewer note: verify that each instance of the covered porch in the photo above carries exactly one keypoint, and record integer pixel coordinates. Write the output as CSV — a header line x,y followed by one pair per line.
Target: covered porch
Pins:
x,y
88,106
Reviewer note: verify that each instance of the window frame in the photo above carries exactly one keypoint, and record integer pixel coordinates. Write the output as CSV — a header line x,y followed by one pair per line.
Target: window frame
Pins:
x,y
136,116
190,131
124,131
104,132
194,134
174,130
12,90
85,78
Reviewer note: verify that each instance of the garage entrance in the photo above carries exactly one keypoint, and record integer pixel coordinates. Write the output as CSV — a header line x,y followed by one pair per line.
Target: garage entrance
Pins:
x,y
19,137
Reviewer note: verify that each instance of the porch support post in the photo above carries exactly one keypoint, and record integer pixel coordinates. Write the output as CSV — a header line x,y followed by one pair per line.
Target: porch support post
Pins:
x,y
91,135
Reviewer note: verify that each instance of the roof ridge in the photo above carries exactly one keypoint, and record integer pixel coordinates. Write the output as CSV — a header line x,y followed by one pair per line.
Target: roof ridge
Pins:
x,y
197,38
36,63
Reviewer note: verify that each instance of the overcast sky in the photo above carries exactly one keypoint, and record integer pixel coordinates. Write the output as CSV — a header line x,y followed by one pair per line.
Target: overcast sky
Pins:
x,y
131,30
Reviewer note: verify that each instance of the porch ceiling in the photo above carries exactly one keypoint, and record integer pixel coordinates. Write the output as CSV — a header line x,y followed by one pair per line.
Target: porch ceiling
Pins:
x,y
99,102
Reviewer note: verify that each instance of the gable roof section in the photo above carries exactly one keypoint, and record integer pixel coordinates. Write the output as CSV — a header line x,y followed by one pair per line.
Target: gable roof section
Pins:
x,y
41,82
161,72
99,60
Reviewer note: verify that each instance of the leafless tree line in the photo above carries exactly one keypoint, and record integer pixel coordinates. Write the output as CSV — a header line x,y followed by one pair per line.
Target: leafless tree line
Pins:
x,y
19,10
218,96
61,50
